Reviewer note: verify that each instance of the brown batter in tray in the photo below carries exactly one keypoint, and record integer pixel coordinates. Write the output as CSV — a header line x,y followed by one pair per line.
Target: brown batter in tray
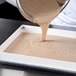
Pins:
x,y
55,47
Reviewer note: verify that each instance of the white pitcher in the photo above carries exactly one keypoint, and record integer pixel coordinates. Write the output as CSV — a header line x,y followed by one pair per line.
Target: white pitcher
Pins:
x,y
17,4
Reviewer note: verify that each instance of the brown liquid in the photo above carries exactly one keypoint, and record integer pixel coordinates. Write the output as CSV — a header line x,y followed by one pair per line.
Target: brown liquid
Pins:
x,y
55,47
42,12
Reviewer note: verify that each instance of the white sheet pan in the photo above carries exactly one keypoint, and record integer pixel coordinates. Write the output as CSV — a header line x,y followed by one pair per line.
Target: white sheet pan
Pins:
x,y
37,61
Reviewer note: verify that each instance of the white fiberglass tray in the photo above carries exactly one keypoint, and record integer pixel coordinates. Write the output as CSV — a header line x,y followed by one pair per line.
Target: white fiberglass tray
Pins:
x,y
60,55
